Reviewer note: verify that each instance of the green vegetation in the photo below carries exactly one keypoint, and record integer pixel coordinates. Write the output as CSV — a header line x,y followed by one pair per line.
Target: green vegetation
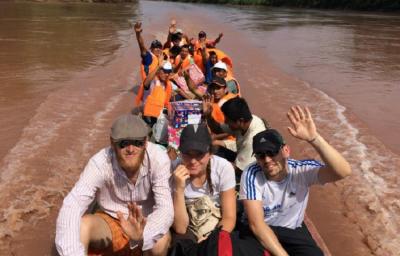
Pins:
x,y
388,5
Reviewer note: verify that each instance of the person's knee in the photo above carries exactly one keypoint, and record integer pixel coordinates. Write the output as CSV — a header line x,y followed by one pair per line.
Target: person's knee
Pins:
x,y
162,245
85,229
94,231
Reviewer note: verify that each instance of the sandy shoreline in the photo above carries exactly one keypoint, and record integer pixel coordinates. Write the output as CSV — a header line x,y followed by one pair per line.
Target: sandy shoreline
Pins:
x,y
259,80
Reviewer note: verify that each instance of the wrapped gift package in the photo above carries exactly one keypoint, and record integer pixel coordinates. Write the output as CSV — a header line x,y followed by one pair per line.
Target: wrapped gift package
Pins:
x,y
185,112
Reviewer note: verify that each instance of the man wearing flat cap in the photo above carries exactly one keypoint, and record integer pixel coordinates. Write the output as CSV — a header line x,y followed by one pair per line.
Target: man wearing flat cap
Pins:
x,y
275,188
129,181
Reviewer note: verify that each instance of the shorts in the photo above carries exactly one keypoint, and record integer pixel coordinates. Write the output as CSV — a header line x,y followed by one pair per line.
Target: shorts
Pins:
x,y
119,244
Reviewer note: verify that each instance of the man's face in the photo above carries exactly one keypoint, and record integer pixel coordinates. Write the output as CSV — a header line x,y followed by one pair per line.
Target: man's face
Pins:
x,y
176,42
217,91
130,153
273,164
213,59
219,72
163,75
233,125
156,51
184,52
196,162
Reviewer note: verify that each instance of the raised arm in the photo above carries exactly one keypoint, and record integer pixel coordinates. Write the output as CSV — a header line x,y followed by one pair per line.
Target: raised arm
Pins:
x,y
261,230
303,127
139,38
218,39
181,217
191,85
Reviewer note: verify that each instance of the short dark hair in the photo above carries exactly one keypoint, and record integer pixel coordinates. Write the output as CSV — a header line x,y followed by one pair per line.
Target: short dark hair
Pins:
x,y
175,50
236,109
202,34
211,53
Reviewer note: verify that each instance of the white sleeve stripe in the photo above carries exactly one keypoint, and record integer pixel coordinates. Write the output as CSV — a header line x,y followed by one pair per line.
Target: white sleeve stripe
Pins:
x,y
250,177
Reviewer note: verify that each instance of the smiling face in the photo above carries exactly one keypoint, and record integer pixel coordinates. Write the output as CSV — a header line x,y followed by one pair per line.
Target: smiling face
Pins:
x,y
217,91
184,52
129,153
274,165
196,162
163,75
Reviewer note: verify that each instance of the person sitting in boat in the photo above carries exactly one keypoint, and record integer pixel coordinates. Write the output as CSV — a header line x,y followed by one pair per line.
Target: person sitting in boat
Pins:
x,y
150,59
275,188
241,124
202,38
218,95
129,181
183,60
175,36
221,70
209,60
204,187
156,94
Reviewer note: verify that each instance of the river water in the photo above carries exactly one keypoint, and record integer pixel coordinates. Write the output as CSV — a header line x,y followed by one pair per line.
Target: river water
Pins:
x,y
67,70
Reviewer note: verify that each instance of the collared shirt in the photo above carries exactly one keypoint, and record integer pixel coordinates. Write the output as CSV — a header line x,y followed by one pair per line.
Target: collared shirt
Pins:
x,y
103,180
244,143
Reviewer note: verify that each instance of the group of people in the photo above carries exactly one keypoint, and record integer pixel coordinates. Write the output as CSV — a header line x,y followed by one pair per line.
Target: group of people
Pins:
x,y
233,187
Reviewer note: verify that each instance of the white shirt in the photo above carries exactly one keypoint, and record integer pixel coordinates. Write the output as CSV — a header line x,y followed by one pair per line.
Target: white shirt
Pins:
x,y
104,181
244,143
222,179
284,202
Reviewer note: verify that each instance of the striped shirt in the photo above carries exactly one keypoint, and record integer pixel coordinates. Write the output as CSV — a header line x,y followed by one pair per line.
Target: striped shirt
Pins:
x,y
104,181
284,202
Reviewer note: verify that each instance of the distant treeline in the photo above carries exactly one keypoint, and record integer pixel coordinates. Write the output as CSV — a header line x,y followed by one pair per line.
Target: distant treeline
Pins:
x,y
386,5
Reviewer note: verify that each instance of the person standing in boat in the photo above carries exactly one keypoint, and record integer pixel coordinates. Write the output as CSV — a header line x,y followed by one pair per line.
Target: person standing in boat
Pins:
x,y
129,181
275,189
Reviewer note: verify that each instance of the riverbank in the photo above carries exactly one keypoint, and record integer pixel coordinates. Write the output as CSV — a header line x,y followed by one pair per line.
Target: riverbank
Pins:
x,y
368,5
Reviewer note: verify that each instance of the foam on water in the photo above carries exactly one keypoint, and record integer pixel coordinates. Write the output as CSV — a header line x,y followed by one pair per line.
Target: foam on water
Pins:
x,y
368,193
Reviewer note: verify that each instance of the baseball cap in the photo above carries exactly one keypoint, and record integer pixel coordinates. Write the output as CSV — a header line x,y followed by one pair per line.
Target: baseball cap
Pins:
x,y
267,141
220,65
129,126
156,44
167,66
218,81
195,137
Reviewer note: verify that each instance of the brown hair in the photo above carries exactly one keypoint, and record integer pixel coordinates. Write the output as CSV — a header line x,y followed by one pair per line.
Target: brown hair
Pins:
x,y
208,177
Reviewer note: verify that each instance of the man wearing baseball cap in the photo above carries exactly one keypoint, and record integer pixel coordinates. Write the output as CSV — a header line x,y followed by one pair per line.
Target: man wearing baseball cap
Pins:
x,y
221,70
129,183
150,59
275,188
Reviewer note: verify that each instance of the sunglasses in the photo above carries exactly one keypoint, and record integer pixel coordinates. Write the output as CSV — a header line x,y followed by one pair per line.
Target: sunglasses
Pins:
x,y
136,143
269,153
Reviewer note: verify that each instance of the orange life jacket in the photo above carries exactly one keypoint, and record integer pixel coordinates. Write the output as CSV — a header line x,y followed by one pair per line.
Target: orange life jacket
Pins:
x,y
186,61
153,66
217,113
158,98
